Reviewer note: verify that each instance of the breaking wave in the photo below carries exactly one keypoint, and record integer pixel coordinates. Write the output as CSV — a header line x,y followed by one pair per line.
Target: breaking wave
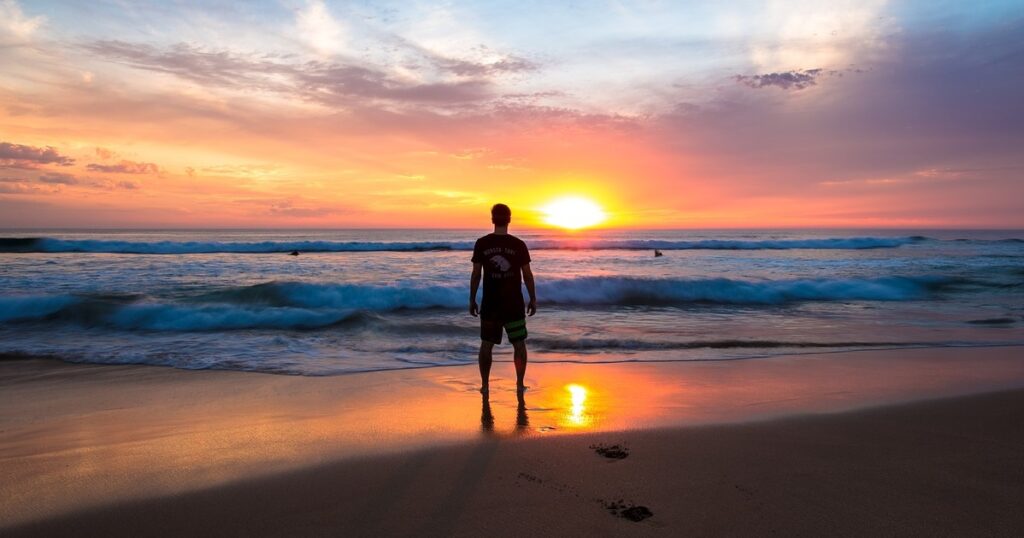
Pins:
x,y
298,305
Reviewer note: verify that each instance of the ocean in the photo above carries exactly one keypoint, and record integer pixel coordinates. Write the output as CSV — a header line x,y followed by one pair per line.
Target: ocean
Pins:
x,y
367,300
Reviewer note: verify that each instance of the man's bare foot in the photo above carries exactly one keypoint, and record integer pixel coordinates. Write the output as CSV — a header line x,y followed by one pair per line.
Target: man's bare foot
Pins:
x,y
484,390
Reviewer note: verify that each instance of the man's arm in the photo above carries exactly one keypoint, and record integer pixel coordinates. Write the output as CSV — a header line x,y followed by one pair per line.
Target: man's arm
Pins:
x,y
531,308
474,283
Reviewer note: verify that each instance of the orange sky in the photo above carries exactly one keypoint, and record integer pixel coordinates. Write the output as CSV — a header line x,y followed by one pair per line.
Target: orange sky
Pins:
x,y
318,114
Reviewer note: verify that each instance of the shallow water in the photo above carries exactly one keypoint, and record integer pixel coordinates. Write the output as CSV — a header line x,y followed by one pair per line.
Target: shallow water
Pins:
x,y
359,300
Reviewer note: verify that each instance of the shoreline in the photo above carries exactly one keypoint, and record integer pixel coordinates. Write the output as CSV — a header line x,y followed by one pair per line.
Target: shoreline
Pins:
x,y
499,359
108,436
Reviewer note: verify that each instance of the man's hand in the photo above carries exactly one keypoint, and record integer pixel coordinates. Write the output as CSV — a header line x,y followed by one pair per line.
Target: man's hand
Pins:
x,y
473,310
531,308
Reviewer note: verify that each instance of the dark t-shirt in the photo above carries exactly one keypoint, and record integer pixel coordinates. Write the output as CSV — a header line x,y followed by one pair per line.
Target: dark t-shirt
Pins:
x,y
503,257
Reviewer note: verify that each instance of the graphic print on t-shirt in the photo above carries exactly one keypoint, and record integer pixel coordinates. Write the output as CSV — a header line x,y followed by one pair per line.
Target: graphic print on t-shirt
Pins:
x,y
500,263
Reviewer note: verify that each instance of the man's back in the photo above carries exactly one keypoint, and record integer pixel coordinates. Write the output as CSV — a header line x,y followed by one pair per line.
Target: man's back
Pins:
x,y
502,257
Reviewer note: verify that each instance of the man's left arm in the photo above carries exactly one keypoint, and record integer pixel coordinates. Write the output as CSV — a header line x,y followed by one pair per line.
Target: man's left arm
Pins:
x,y
474,284
531,308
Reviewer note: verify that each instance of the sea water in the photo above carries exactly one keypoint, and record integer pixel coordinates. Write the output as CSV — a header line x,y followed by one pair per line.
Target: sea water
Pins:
x,y
364,300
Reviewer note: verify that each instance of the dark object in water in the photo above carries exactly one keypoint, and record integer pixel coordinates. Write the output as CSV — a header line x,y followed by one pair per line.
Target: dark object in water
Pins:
x,y
293,253
992,321
657,253
19,244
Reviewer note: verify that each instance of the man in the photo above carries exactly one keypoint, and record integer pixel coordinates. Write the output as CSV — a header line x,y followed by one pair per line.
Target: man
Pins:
x,y
502,259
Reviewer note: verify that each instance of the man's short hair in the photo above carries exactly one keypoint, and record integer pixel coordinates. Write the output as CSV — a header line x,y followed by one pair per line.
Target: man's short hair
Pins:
x,y
501,214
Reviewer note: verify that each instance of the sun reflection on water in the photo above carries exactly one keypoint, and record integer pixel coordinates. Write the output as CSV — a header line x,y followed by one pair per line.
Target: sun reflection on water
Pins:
x,y
577,409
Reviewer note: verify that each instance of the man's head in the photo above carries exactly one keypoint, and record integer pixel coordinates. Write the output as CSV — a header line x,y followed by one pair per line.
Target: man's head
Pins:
x,y
501,215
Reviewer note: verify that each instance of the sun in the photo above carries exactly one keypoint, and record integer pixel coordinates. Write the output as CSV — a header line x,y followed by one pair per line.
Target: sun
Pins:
x,y
573,212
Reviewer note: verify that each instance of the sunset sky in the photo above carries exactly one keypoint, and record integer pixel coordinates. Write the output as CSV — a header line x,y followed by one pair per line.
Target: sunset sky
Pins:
x,y
422,114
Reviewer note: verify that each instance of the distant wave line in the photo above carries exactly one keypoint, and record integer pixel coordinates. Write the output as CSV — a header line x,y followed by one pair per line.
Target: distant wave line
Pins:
x,y
52,245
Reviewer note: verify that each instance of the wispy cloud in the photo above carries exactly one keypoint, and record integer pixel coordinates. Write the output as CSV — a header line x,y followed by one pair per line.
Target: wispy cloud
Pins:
x,y
124,167
321,82
289,208
21,188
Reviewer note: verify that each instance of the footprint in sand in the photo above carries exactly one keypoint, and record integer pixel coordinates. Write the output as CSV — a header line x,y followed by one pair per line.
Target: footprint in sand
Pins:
x,y
631,512
612,452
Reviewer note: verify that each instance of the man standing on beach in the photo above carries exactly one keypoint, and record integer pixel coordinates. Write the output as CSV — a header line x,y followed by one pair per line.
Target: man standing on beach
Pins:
x,y
502,259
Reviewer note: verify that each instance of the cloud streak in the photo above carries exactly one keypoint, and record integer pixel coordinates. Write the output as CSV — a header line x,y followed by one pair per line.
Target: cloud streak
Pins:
x,y
58,179
451,82
124,167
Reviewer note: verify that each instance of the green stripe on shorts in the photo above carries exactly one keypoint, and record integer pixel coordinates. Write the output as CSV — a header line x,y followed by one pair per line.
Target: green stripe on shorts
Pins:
x,y
515,324
516,330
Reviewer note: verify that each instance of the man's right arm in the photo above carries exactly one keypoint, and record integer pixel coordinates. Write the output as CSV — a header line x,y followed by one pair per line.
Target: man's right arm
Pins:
x,y
474,284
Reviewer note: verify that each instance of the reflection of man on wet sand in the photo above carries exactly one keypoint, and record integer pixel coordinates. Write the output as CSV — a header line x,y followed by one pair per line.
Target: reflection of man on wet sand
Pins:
x,y
503,261
487,417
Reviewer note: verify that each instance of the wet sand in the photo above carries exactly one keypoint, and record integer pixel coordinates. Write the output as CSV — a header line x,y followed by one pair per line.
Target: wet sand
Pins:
x,y
804,445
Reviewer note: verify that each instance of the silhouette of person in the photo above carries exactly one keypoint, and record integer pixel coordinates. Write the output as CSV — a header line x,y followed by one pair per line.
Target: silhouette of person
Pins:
x,y
502,261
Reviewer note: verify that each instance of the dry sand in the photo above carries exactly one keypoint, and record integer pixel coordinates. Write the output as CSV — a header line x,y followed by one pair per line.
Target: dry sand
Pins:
x,y
135,451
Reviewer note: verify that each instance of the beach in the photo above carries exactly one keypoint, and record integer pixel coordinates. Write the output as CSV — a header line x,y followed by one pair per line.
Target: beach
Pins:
x,y
880,442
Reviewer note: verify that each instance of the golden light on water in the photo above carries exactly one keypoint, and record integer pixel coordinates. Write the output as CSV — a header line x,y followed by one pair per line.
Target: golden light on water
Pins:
x,y
573,213
577,397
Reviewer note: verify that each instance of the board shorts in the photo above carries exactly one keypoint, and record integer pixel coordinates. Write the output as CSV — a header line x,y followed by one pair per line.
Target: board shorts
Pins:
x,y
490,330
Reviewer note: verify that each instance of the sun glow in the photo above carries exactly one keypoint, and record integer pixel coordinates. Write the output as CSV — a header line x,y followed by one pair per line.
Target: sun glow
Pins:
x,y
573,212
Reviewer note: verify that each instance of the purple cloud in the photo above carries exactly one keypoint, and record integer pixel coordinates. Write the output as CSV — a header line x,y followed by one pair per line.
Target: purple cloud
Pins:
x,y
56,178
21,156
787,80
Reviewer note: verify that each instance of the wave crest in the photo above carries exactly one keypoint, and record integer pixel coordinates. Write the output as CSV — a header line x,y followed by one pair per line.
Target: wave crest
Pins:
x,y
639,291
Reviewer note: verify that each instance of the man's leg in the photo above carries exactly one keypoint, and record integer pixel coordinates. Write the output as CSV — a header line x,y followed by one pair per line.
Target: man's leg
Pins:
x,y
485,365
519,356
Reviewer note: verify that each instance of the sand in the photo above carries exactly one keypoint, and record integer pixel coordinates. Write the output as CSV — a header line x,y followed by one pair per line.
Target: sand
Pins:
x,y
811,445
